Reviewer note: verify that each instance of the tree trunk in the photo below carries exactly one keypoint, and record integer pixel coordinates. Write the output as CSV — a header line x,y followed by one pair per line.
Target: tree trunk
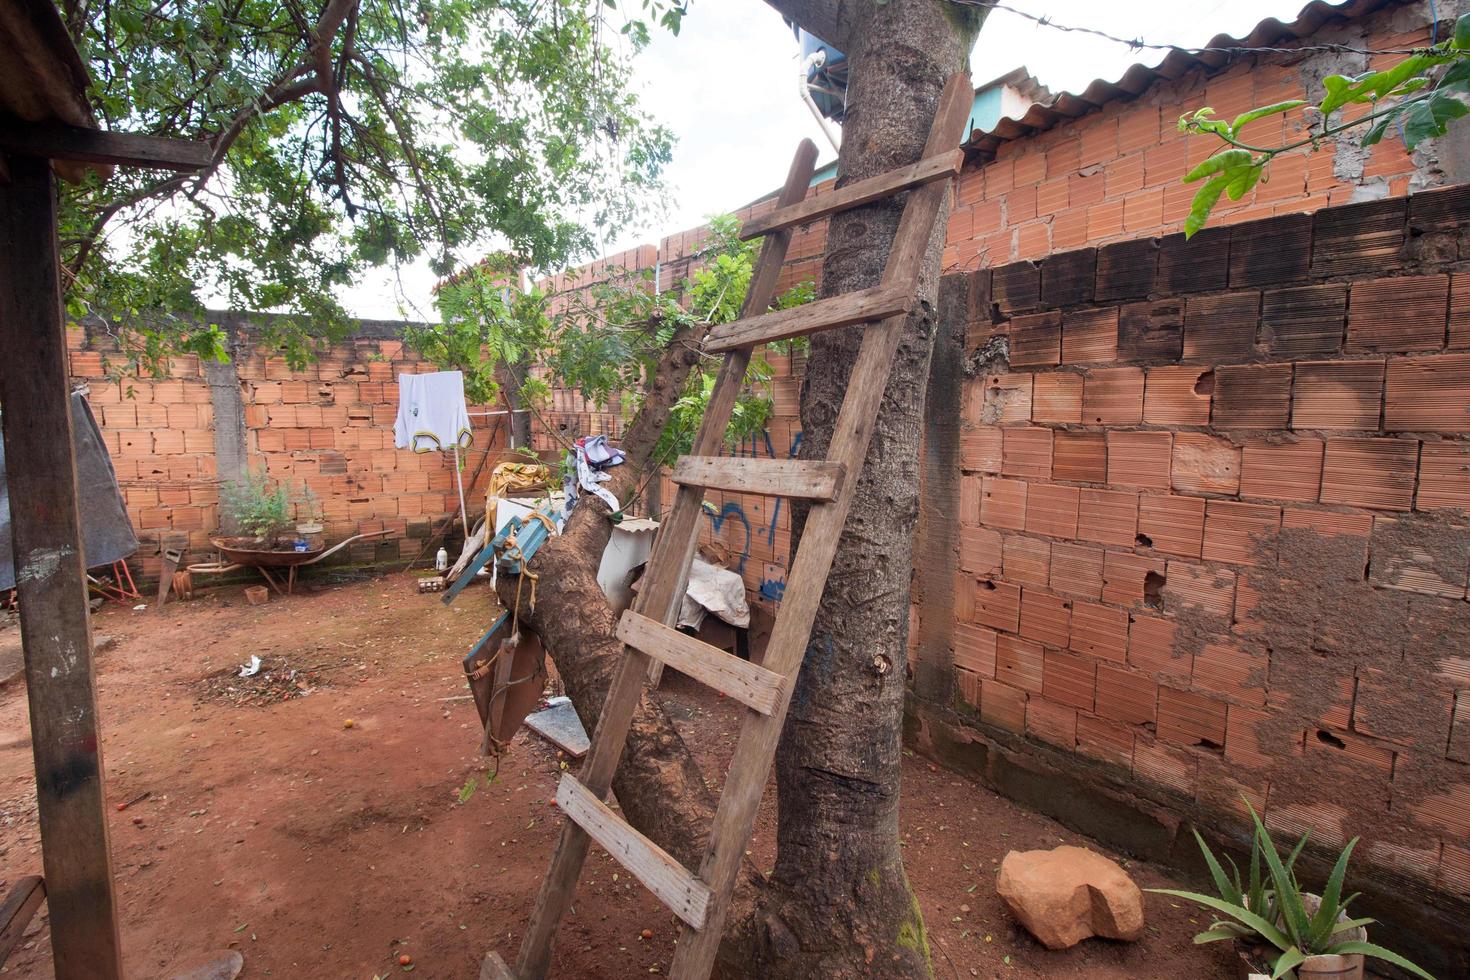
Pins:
x,y
839,903
518,422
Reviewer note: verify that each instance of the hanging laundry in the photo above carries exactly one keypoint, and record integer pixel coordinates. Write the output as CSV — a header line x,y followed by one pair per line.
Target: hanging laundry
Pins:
x,y
431,413
589,458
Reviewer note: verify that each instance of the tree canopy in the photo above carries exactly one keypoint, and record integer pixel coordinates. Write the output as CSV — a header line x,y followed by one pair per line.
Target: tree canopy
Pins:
x,y
603,340
353,134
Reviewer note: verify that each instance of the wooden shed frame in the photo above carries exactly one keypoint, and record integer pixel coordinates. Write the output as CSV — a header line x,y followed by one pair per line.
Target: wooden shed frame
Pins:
x,y
47,129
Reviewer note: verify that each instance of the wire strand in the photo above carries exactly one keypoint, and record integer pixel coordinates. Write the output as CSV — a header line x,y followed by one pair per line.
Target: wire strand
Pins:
x,y
1139,44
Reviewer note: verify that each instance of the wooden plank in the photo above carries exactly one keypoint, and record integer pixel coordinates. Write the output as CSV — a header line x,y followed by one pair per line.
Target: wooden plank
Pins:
x,y
684,895
660,598
861,306
857,193
750,767
753,686
492,967
809,479
57,141
25,897
51,581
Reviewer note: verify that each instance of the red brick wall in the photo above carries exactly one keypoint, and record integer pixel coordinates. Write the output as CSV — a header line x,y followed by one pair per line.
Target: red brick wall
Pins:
x,y
1213,540
1114,174
329,428
1111,176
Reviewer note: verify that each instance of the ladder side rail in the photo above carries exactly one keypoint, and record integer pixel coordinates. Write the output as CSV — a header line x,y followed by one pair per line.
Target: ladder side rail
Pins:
x,y
746,778
661,593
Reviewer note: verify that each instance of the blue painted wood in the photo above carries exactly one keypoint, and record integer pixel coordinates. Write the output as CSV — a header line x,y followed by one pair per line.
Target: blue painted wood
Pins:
x,y
529,537
481,560
482,641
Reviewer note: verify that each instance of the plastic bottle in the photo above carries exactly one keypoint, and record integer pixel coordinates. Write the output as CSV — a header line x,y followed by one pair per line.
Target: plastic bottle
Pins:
x,y
441,561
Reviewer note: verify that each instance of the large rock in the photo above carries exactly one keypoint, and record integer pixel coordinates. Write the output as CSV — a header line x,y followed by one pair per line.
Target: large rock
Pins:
x,y
1067,894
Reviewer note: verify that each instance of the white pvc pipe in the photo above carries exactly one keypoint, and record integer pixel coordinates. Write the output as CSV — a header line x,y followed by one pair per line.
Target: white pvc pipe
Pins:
x,y
459,479
815,60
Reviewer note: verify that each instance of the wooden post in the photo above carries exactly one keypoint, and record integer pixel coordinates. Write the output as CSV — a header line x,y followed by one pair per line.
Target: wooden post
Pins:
x,y
51,580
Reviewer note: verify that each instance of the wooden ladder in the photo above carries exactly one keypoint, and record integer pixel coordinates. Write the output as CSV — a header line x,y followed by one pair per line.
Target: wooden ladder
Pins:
x,y
702,900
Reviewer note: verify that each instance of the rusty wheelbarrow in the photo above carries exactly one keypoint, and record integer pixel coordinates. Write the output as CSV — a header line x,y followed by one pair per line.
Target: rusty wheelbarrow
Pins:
x,y
246,553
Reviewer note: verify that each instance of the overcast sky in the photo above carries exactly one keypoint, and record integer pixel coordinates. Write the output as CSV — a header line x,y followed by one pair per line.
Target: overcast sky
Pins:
x,y
726,87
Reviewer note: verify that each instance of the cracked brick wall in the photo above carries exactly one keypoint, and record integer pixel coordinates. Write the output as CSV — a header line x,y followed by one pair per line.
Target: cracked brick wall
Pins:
x,y
1213,538
328,428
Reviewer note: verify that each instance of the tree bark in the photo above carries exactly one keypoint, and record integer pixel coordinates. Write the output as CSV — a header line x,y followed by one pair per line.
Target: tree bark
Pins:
x,y
839,904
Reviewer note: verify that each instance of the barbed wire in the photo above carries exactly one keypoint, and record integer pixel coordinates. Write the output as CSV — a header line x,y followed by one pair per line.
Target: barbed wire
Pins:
x,y
1139,44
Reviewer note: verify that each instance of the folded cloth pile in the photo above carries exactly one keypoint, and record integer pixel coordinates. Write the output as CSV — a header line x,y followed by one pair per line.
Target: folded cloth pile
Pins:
x,y
589,459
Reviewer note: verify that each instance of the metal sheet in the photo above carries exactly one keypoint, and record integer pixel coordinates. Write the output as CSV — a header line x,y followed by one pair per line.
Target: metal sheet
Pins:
x,y
107,534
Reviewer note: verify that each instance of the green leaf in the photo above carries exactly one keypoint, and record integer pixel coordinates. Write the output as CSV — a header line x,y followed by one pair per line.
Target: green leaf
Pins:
x,y
1374,950
1462,32
1268,110
1339,93
1220,161
1379,84
1203,203
1228,892
1288,961
1267,931
1215,935
1242,179
1293,913
1411,86
1328,910
1347,924
1457,79
1431,118
1379,128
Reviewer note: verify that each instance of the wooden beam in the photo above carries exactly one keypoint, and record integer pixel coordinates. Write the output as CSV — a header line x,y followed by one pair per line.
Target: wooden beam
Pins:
x,y
860,192
862,306
753,686
808,479
684,895
25,897
61,142
50,581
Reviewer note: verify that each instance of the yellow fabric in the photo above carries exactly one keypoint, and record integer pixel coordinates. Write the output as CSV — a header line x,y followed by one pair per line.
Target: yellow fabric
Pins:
x,y
509,478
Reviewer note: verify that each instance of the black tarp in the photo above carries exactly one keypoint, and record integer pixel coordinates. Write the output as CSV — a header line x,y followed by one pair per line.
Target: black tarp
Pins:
x,y
107,534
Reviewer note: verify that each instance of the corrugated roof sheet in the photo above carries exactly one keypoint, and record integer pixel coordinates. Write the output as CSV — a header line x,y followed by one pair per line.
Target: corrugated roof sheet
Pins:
x,y
1139,77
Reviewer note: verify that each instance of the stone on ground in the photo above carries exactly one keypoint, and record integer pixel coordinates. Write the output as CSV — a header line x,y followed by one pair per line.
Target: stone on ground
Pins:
x,y
1067,894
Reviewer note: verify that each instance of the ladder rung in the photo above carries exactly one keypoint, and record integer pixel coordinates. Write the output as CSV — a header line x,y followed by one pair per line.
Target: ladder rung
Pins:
x,y
685,895
492,967
861,306
756,687
857,193
808,479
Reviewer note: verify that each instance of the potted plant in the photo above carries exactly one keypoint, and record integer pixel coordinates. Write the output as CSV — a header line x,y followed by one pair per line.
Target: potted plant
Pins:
x,y
309,515
1281,929
258,507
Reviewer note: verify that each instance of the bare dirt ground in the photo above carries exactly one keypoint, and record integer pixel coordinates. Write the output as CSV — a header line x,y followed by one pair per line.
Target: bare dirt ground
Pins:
x,y
320,850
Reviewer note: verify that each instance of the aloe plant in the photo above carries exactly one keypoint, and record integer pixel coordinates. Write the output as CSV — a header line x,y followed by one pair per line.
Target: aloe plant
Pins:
x,y
1270,908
